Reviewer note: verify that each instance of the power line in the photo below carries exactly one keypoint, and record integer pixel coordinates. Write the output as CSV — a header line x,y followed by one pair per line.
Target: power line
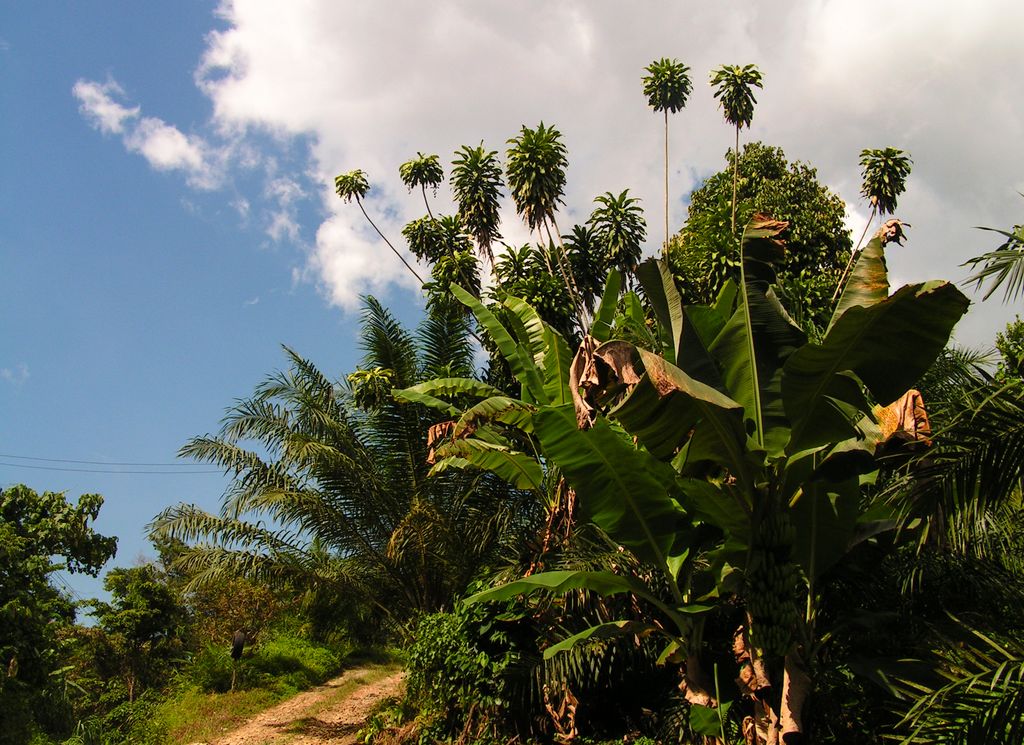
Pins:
x,y
95,462
105,471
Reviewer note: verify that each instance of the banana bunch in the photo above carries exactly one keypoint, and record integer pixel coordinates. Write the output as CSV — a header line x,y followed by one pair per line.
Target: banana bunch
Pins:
x,y
772,578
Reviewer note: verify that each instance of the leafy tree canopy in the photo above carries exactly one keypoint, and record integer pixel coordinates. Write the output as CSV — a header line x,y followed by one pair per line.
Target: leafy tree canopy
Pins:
x,y
703,255
39,534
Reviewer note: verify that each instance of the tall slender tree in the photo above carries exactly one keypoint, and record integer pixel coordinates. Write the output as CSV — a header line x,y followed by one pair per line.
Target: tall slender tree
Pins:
x,y
476,183
883,179
536,163
421,172
734,90
620,229
332,489
354,185
667,85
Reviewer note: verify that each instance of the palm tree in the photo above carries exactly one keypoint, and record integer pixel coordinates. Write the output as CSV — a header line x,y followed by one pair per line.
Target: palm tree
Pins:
x,y
667,86
883,179
620,229
331,486
476,183
422,171
1004,264
536,177
733,89
353,185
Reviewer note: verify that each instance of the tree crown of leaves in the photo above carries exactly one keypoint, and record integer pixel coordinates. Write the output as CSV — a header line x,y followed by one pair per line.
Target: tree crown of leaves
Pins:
x,y
668,85
619,227
352,185
884,173
476,184
734,90
422,171
536,173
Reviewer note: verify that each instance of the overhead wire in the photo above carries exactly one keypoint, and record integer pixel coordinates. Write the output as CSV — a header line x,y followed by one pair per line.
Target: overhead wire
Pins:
x,y
108,471
123,467
94,462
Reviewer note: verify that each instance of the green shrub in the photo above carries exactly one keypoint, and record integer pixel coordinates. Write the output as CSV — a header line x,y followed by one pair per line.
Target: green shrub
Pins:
x,y
284,663
293,662
464,671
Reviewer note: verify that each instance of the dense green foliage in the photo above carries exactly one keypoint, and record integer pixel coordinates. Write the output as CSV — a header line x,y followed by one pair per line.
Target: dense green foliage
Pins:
x,y
703,255
361,518
695,500
39,535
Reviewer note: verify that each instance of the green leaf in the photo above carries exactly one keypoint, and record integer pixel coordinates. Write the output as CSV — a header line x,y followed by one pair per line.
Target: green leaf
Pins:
x,y
602,631
721,506
427,393
662,294
519,469
707,721
519,358
531,326
668,409
603,583
888,346
757,340
563,581
501,409
868,283
623,490
825,517
557,361
601,328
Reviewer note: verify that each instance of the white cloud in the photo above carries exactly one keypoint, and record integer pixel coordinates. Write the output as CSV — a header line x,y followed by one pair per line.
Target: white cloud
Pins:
x,y
98,106
16,375
367,85
164,146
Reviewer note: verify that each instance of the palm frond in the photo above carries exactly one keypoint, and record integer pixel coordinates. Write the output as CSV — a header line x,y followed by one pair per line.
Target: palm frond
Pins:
x,y
967,488
1004,265
983,701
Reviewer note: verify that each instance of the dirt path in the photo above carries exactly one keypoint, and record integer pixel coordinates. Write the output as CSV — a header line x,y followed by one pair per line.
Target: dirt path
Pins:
x,y
331,713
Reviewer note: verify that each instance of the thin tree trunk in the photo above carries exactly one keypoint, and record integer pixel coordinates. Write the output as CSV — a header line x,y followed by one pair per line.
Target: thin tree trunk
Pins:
x,y
853,254
666,180
584,316
385,238
424,190
735,177
567,276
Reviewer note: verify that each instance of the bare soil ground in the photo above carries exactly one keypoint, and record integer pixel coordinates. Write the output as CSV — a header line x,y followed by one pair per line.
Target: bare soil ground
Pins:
x,y
331,713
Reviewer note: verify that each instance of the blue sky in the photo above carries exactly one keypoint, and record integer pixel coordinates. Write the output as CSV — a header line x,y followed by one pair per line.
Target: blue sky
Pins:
x,y
168,218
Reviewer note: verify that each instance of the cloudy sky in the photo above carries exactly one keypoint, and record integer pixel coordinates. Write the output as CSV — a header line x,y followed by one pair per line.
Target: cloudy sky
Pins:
x,y
169,218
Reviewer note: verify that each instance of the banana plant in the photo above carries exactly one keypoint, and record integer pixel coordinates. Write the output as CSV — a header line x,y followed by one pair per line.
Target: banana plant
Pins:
x,y
732,439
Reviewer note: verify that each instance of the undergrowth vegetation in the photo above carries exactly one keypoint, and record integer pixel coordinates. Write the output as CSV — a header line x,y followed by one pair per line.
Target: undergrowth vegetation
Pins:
x,y
697,499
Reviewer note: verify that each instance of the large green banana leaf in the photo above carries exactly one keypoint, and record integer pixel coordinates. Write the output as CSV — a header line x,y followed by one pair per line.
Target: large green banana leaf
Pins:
x,y
668,409
519,469
660,289
427,393
603,631
888,346
518,356
759,337
527,326
868,283
601,328
624,490
510,411
687,330
604,583
557,361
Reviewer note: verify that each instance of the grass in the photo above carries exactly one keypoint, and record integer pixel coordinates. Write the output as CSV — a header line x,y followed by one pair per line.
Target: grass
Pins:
x,y
194,716
200,708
